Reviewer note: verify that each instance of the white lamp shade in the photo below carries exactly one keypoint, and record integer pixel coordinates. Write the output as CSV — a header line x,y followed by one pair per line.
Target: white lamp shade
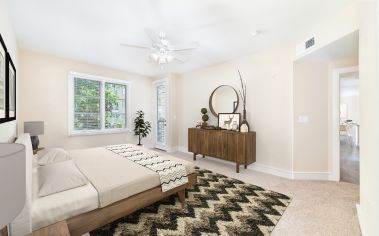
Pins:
x,y
12,181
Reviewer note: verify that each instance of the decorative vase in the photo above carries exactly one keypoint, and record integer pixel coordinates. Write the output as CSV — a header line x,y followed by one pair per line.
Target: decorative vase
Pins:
x,y
244,127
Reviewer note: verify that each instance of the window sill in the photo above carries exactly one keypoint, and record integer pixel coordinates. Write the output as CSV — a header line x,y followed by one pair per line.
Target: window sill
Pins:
x,y
98,132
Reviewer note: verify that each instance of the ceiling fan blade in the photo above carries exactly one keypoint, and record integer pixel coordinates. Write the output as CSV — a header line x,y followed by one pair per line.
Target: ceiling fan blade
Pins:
x,y
135,46
152,35
179,57
184,47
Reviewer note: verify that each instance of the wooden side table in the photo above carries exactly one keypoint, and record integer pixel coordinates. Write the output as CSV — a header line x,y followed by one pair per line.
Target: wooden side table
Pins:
x,y
57,229
36,151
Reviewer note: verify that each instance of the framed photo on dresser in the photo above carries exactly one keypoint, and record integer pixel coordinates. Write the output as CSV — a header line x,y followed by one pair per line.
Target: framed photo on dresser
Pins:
x,y
229,121
3,85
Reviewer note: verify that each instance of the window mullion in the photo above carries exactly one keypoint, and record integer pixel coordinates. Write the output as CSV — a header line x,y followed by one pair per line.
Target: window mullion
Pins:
x,y
102,105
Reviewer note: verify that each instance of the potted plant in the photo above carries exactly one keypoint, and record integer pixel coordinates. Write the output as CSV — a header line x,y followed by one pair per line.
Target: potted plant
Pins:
x,y
204,117
141,127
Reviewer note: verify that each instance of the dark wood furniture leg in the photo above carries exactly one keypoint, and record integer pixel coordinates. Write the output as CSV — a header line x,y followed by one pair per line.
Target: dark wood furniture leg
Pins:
x,y
245,166
203,156
182,196
237,168
4,231
194,156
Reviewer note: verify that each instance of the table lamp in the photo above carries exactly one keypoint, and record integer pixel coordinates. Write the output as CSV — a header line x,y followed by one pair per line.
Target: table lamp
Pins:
x,y
34,128
12,181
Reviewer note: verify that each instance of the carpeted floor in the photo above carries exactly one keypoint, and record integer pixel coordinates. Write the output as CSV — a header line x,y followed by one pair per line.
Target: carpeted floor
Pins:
x,y
318,208
217,205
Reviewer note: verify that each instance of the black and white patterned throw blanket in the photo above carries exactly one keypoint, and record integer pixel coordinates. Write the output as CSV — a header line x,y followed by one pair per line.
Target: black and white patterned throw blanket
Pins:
x,y
171,173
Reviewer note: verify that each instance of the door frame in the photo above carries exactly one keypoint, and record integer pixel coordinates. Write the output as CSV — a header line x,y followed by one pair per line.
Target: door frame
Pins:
x,y
335,119
155,83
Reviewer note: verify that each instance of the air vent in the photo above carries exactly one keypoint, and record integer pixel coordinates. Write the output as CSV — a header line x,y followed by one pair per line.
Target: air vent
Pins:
x,y
305,46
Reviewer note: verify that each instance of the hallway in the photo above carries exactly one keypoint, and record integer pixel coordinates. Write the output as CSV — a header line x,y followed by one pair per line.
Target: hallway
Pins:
x,y
349,161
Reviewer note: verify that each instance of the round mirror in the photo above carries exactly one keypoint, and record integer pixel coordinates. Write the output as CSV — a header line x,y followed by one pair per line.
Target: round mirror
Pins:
x,y
224,99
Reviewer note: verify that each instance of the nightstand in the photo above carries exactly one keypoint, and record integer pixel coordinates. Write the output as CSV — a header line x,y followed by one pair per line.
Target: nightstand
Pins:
x,y
36,151
57,229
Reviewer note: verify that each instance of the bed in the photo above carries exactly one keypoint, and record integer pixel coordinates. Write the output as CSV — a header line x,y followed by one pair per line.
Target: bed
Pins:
x,y
117,187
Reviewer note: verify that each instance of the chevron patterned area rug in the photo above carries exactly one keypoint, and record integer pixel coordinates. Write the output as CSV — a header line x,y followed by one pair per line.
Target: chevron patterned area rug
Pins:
x,y
217,205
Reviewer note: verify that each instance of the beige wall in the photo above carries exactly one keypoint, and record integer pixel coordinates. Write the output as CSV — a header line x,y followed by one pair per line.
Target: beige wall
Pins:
x,y
269,101
44,96
8,131
310,88
313,98
369,116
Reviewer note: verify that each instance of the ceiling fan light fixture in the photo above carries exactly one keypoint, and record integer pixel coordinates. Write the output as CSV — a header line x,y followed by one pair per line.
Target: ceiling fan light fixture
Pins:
x,y
161,50
161,58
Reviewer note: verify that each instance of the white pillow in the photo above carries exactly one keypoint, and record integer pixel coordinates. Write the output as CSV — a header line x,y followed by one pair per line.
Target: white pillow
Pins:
x,y
59,177
52,155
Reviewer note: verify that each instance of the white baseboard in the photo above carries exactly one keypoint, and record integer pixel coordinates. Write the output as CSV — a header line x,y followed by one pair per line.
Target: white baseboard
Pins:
x,y
271,170
277,171
361,221
172,149
311,175
184,149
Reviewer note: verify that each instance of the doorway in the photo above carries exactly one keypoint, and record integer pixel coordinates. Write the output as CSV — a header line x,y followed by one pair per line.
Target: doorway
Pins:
x,y
349,125
161,105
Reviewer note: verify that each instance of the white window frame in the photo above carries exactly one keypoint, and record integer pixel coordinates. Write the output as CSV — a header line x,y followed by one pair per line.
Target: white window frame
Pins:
x,y
71,77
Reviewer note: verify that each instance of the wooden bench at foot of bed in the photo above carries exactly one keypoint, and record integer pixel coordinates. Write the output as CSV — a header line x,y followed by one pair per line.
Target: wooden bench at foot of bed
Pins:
x,y
86,222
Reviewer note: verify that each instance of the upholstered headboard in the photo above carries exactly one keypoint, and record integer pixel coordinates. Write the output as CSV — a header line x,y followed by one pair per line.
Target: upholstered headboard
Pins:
x,y
22,225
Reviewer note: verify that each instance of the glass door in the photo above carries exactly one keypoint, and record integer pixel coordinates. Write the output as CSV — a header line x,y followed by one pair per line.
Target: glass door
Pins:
x,y
161,108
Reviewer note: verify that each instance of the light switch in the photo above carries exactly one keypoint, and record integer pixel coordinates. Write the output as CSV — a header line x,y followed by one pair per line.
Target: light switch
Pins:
x,y
303,119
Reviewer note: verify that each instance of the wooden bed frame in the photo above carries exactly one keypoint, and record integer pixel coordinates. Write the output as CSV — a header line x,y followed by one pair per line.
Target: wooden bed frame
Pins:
x,y
84,223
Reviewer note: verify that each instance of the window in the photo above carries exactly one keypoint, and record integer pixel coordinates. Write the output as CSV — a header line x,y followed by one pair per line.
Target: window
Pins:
x,y
97,104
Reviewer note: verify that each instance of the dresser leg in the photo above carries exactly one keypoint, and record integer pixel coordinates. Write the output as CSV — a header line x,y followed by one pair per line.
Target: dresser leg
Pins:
x,y
245,166
237,168
194,156
203,156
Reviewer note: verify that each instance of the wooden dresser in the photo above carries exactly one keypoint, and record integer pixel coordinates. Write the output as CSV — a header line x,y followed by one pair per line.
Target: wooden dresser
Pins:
x,y
226,145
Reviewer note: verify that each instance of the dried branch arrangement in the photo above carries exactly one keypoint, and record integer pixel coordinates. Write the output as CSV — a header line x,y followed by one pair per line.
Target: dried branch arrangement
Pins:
x,y
242,91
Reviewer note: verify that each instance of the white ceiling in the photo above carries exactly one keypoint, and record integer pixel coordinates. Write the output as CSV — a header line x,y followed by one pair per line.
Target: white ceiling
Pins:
x,y
92,30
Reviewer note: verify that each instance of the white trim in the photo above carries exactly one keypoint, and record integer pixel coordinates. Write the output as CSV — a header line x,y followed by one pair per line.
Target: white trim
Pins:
x,y
102,80
288,174
361,221
334,142
172,149
311,175
270,170
184,149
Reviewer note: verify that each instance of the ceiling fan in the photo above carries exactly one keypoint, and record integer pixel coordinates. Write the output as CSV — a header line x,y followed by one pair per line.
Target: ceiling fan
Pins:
x,y
162,51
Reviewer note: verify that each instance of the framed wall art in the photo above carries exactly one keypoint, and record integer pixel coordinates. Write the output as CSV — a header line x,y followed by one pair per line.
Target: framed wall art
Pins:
x,y
11,88
3,85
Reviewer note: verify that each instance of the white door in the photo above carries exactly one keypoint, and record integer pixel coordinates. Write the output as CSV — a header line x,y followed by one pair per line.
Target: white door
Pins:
x,y
161,113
